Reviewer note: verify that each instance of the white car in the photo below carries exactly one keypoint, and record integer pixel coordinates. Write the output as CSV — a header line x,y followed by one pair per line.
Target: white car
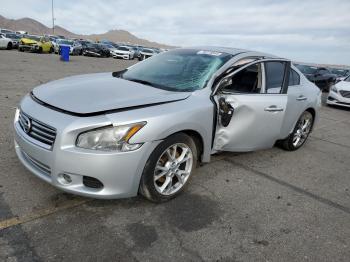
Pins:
x,y
339,94
123,52
6,31
5,42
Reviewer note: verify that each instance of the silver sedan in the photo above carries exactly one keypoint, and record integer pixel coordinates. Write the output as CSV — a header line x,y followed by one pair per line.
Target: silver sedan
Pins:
x,y
145,129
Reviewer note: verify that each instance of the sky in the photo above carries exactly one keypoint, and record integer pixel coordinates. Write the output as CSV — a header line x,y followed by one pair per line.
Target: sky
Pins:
x,y
308,31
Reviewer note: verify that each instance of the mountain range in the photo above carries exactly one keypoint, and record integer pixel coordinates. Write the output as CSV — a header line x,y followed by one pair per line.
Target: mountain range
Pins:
x,y
34,27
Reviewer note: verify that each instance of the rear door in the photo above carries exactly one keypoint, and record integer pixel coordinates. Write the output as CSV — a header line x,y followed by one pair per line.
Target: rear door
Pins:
x,y
252,102
297,102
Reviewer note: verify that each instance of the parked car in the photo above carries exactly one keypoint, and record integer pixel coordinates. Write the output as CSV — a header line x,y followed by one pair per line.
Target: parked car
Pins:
x,y
137,51
83,43
75,48
96,50
6,31
35,43
21,32
340,73
146,53
14,39
321,76
107,42
123,52
339,93
5,42
143,129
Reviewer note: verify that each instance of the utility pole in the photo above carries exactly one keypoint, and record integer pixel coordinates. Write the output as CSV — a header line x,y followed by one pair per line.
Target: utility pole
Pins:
x,y
53,20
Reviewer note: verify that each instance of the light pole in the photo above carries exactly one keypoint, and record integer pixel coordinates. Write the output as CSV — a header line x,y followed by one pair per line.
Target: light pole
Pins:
x,y
53,20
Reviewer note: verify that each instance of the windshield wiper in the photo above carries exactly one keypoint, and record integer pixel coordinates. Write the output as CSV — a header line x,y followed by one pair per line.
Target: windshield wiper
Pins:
x,y
142,82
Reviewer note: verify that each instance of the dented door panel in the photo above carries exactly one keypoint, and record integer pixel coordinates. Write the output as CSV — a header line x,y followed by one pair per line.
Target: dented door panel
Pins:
x,y
255,124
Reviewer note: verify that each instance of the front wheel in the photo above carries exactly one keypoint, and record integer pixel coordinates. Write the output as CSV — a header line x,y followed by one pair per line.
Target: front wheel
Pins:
x,y
9,46
300,133
169,168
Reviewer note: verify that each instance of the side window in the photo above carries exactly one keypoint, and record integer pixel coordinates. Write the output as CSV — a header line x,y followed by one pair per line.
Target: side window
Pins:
x,y
246,81
274,76
294,78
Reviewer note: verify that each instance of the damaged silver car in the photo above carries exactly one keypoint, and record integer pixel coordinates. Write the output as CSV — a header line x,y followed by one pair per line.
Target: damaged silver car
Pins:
x,y
144,129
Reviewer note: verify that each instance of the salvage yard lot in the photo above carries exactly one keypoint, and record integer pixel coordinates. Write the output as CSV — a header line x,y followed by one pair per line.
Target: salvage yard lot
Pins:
x,y
269,205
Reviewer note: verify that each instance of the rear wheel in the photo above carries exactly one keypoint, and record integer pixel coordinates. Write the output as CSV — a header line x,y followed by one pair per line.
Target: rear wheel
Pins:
x,y
300,133
9,46
169,168
51,50
40,50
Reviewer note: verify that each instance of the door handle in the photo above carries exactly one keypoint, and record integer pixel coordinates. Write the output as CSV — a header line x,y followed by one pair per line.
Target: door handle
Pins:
x,y
273,109
301,98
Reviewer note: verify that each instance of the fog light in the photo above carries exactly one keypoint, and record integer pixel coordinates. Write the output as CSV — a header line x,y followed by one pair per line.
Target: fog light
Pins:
x,y
64,179
67,178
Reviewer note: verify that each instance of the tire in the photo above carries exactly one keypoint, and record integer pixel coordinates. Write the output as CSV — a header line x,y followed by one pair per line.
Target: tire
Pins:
x,y
51,50
9,46
290,143
20,49
150,187
40,50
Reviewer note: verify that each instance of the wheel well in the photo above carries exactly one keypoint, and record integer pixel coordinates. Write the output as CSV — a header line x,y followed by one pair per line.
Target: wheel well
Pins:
x,y
198,140
313,113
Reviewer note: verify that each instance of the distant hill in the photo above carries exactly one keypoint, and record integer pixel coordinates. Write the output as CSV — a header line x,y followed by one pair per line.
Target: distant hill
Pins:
x,y
34,27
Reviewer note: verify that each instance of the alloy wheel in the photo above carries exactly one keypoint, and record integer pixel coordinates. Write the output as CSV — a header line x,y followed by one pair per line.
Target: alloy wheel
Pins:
x,y
303,129
173,169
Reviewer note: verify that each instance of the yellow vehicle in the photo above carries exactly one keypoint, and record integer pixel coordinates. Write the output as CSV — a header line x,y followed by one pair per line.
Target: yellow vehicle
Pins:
x,y
34,43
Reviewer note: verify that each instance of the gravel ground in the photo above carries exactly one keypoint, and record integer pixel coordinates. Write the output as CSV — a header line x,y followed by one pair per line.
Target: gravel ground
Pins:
x,y
269,205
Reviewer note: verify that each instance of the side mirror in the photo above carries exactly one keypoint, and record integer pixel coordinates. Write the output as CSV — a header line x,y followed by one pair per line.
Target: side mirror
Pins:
x,y
225,82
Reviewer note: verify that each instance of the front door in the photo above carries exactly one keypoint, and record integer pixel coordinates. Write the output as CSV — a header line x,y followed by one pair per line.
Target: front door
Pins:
x,y
252,103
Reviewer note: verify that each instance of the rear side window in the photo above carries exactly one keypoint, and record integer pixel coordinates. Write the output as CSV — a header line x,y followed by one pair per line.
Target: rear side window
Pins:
x,y
294,78
274,76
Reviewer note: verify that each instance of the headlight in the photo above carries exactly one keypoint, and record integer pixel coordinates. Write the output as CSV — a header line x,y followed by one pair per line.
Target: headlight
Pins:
x,y
111,138
334,89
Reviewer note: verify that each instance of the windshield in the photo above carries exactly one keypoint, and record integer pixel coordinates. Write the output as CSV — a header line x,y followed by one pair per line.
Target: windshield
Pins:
x,y
147,50
13,36
178,70
347,79
123,48
92,45
66,42
340,72
33,37
307,69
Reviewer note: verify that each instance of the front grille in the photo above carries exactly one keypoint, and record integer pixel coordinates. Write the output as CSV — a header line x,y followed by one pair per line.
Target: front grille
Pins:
x,y
345,93
92,182
42,168
37,130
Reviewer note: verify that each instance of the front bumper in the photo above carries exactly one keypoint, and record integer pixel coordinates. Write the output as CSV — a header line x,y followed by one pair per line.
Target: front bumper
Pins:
x,y
337,99
119,172
30,48
91,53
123,56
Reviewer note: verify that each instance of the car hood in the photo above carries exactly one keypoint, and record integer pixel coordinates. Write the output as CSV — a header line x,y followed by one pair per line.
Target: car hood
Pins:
x,y
100,93
28,41
343,85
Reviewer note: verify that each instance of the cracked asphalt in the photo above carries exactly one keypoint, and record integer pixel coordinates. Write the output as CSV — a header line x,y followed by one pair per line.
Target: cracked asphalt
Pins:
x,y
269,205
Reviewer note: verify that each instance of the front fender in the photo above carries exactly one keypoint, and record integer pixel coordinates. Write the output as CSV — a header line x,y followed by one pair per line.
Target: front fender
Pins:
x,y
193,113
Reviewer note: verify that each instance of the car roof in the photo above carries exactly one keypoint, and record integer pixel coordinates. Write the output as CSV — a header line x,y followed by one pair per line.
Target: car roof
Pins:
x,y
230,50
